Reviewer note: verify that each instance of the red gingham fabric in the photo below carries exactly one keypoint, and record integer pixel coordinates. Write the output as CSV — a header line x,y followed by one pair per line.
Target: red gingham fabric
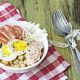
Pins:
x,y
53,66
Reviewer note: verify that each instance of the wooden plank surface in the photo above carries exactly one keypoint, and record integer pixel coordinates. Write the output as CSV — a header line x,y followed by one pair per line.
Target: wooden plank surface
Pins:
x,y
40,11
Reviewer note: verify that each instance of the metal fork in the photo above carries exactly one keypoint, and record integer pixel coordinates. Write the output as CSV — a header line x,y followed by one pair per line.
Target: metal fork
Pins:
x,y
62,27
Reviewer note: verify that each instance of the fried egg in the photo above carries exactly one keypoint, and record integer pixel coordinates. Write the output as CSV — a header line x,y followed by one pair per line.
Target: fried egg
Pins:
x,y
12,49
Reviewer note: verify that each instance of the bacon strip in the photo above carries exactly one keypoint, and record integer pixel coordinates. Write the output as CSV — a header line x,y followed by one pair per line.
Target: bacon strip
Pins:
x,y
19,30
8,32
4,33
3,39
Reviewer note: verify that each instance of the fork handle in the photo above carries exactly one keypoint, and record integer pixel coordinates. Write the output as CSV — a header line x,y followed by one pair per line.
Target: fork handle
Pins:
x,y
76,61
75,50
76,56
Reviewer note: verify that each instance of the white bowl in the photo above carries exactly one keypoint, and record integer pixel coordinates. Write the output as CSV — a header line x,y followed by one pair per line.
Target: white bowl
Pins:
x,y
42,36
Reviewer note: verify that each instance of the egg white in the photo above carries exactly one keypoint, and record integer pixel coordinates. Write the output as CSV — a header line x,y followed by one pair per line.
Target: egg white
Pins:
x,y
13,53
11,57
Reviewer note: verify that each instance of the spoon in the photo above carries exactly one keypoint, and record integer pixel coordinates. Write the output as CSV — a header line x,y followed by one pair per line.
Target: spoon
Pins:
x,y
62,27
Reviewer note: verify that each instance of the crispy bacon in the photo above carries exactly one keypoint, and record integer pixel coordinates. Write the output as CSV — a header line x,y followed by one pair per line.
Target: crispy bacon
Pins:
x,y
12,30
19,30
8,32
4,33
3,39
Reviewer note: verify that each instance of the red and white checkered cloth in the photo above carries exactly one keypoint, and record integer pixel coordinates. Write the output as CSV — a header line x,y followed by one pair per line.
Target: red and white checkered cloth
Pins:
x,y
53,66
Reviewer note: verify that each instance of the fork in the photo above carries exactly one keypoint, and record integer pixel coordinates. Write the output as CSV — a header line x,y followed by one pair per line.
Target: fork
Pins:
x,y
62,27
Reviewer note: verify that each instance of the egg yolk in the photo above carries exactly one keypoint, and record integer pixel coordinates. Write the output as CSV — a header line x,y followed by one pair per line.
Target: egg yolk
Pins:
x,y
5,50
19,45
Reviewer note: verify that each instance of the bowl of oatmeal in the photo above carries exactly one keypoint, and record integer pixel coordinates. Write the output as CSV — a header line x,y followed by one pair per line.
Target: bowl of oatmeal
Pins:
x,y
23,46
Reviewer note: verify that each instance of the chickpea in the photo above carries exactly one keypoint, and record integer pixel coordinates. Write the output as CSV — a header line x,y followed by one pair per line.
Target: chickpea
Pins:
x,y
24,55
16,61
21,57
23,65
10,63
21,62
25,62
16,66
4,62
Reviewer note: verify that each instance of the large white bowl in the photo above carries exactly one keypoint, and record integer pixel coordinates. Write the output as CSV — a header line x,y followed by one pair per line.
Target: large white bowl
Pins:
x,y
42,36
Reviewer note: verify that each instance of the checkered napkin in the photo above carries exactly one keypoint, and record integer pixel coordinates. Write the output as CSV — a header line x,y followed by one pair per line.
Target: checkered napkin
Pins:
x,y
53,66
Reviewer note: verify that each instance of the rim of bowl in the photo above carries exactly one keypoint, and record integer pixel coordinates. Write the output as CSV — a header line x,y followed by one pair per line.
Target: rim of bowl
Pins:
x,y
33,65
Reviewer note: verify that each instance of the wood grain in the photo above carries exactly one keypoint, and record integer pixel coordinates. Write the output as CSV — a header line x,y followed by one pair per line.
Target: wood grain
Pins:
x,y
40,11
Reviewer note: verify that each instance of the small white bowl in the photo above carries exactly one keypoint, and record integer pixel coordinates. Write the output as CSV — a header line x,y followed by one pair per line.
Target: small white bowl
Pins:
x,y
43,38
